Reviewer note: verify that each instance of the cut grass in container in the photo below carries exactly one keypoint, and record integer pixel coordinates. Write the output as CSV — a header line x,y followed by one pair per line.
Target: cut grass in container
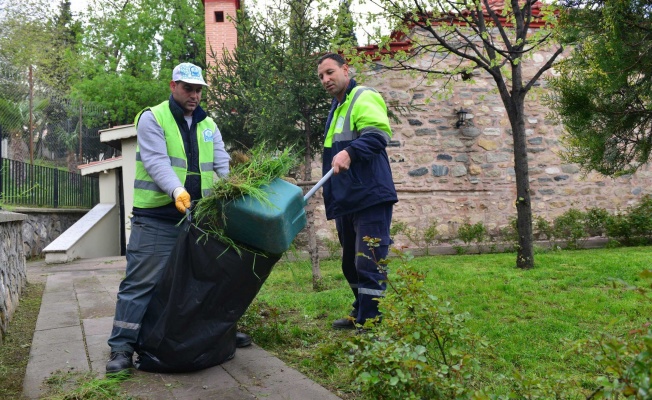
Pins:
x,y
259,167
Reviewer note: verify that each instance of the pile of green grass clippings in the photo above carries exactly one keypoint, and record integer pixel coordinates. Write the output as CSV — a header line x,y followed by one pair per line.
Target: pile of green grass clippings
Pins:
x,y
249,173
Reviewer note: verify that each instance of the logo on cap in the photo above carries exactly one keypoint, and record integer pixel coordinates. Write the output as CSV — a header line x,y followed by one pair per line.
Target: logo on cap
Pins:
x,y
189,73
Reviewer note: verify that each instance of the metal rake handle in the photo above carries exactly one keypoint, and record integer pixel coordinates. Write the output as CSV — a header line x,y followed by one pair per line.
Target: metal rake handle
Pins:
x,y
317,186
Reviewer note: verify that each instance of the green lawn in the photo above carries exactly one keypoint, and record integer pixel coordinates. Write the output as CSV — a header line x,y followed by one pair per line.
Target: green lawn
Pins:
x,y
528,317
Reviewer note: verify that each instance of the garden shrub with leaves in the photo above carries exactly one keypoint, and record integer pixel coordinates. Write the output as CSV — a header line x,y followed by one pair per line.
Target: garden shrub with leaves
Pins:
x,y
634,226
625,359
430,235
426,237
627,364
570,226
596,221
472,233
402,227
421,350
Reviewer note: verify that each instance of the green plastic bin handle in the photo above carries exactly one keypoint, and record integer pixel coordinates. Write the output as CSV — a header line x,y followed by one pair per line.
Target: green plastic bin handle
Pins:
x,y
317,186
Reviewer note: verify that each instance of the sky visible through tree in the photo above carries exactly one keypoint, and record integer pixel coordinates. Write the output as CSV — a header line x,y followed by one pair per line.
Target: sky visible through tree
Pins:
x,y
359,11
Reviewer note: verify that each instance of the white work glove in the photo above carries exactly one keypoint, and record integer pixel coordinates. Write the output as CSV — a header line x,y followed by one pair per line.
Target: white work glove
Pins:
x,y
181,199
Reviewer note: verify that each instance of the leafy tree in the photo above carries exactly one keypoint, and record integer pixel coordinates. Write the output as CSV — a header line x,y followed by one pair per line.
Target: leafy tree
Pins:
x,y
130,49
25,30
345,35
60,63
602,94
460,36
267,88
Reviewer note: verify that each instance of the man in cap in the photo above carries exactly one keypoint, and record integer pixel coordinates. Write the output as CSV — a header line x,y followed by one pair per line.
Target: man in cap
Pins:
x,y
179,149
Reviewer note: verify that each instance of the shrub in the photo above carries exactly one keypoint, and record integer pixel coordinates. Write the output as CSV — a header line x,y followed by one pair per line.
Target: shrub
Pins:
x,y
639,218
634,226
417,237
333,245
627,364
472,233
596,221
421,350
569,226
542,228
430,235
401,227
618,228
625,359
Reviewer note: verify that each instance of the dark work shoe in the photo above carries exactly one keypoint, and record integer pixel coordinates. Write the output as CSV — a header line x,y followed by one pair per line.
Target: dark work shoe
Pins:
x,y
346,323
120,361
242,340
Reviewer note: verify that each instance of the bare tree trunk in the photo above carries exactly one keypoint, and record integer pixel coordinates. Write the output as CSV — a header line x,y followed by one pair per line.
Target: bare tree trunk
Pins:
x,y
524,251
313,249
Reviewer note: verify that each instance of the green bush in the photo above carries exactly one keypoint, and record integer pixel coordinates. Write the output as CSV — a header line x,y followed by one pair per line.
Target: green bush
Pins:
x,y
421,350
626,360
634,226
401,227
627,364
430,235
596,220
426,237
570,226
472,233
333,245
542,228
639,218
618,228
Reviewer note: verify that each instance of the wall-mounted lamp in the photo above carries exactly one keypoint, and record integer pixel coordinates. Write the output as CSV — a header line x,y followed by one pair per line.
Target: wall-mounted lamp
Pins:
x,y
461,117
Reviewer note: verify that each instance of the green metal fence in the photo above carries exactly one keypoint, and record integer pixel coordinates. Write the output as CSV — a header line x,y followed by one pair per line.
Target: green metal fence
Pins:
x,y
23,184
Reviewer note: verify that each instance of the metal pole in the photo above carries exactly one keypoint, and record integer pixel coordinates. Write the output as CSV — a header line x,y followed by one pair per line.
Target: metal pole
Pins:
x,y
31,117
2,170
81,124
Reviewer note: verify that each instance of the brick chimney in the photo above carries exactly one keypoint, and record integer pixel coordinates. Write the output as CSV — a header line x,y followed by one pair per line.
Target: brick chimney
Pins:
x,y
220,29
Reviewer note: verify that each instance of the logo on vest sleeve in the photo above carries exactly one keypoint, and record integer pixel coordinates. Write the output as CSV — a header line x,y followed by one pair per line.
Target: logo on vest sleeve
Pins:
x,y
208,135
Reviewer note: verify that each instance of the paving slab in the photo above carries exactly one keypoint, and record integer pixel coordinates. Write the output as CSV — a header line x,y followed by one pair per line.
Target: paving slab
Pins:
x,y
74,324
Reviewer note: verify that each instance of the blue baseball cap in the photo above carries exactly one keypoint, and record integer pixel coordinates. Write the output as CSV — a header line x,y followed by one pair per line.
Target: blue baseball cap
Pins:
x,y
189,73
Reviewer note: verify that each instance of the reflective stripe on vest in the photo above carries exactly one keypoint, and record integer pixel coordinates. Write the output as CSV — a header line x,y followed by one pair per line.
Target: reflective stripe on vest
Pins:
x,y
341,128
146,193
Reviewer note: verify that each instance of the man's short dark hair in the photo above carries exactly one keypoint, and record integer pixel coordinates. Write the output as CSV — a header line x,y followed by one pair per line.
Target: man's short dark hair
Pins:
x,y
333,56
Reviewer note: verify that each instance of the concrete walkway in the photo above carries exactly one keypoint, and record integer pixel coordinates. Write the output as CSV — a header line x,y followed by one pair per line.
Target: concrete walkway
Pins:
x,y
74,324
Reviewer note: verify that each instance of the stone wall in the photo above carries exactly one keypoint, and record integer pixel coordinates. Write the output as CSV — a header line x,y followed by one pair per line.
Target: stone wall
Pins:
x,y
13,271
43,225
456,175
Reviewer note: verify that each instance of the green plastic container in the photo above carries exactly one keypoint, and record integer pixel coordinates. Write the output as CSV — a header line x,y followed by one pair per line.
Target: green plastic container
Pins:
x,y
270,228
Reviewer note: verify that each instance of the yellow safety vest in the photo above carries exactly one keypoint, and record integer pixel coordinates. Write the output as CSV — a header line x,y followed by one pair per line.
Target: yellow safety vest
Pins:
x,y
147,194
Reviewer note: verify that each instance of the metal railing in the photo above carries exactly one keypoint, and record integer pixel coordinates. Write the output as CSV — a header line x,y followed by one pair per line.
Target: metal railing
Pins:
x,y
24,184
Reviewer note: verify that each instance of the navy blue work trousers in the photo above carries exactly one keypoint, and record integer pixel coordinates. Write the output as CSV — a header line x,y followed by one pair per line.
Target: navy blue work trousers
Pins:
x,y
364,278
150,245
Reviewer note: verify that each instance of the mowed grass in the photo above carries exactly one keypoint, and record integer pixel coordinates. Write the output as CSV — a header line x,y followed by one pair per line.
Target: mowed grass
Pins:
x,y
14,349
530,317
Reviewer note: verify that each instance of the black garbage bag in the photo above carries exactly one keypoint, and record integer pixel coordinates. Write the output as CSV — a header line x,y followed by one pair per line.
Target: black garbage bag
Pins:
x,y
190,323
